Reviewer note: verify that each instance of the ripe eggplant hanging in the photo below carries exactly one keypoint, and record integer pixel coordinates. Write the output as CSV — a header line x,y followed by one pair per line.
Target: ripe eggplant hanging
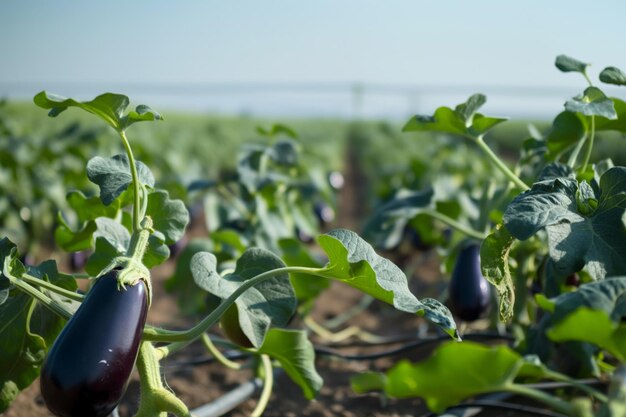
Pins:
x,y
88,367
469,293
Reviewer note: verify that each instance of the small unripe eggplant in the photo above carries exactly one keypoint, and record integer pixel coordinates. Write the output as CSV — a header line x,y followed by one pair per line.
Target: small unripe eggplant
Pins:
x,y
469,292
88,367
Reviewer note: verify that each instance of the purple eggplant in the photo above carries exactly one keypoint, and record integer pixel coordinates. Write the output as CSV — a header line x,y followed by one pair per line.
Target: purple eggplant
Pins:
x,y
88,367
469,293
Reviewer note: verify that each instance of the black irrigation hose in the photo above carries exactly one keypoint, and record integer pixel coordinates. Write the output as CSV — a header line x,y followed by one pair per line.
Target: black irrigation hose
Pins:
x,y
325,351
504,406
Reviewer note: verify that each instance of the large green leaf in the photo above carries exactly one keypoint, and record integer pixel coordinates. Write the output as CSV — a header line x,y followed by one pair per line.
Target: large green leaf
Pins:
x,y
494,264
169,217
113,176
593,240
296,355
354,262
108,106
270,303
593,102
567,129
190,300
463,120
592,326
454,372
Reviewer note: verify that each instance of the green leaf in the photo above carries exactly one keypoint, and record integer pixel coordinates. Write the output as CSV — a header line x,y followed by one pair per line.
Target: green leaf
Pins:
x,y
386,227
26,329
612,75
619,124
592,326
567,129
569,64
463,120
454,372
368,381
157,251
190,300
296,355
73,241
494,264
109,107
113,176
575,240
277,129
270,303
284,152
354,262
170,217
593,102
90,208
101,257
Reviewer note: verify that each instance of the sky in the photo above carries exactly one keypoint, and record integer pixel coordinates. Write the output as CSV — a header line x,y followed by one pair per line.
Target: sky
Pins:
x,y
465,44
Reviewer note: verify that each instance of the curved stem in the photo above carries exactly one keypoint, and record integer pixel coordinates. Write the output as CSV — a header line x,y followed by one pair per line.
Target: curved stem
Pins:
x,y
51,287
208,344
135,176
499,164
535,394
589,144
161,335
268,384
453,223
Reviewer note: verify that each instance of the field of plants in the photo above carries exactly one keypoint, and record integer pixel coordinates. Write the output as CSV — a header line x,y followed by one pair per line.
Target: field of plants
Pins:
x,y
157,264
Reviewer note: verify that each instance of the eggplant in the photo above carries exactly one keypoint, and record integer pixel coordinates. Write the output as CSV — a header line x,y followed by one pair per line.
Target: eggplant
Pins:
x,y
469,293
88,367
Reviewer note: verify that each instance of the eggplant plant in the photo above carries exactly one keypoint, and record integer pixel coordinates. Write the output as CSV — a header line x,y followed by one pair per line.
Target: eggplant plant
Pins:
x,y
127,228
558,219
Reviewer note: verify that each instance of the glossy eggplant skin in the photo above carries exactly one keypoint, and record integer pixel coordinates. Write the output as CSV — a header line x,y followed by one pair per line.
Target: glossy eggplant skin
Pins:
x,y
87,369
469,292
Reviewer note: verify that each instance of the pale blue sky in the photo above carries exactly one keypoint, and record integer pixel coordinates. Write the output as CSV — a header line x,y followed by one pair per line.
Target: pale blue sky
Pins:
x,y
392,42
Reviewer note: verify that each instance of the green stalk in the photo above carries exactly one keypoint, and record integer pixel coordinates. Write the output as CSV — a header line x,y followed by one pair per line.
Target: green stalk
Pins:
x,y
135,176
538,395
589,144
51,287
53,305
557,376
571,161
268,384
208,344
499,164
188,336
453,223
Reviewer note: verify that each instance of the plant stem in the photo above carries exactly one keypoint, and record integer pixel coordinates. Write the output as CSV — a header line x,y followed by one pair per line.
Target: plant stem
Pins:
x,y
208,343
552,401
48,302
571,161
268,384
589,144
51,287
161,335
499,164
135,176
453,223
557,376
